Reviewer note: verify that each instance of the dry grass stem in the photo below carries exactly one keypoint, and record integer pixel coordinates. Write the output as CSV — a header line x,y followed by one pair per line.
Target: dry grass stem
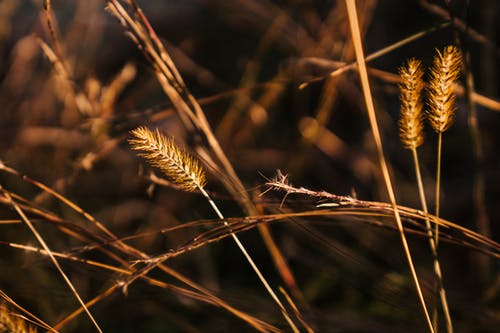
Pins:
x,y
411,128
122,248
124,190
345,67
348,205
441,100
194,119
164,154
42,242
358,47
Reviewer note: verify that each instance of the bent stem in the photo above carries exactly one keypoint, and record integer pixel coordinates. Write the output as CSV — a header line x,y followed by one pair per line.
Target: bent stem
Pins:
x,y
180,167
358,47
250,261
433,246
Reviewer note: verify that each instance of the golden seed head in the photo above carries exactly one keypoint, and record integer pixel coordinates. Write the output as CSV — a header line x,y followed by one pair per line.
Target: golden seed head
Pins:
x,y
13,323
163,153
410,88
444,73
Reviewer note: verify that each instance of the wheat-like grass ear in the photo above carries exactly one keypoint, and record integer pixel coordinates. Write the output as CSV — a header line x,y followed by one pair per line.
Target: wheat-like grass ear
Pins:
x,y
441,101
162,152
177,164
411,118
444,73
411,135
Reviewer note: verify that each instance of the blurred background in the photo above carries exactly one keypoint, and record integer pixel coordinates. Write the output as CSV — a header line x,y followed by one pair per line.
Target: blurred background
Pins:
x,y
259,69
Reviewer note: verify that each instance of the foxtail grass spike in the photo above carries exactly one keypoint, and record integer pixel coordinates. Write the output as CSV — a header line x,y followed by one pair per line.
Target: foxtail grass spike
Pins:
x,y
410,122
11,322
178,165
411,128
441,97
162,152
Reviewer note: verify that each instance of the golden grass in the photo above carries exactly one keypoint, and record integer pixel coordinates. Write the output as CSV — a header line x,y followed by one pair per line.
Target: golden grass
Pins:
x,y
443,76
178,165
411,117
144,250
163,153
444,73
411,135
194,119
11,322
358,46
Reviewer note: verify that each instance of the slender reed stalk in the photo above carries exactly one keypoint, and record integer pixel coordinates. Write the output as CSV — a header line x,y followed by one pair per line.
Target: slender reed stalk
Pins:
x,y
411,134
441,101
358,47
178,165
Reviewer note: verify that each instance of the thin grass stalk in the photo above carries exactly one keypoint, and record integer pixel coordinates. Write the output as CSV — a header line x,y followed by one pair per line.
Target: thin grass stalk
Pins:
x,y
444,73
250,261
411,134
194,119
52,257
53,29
123,247
358,47
296,311
180,167
438,185
377,54
432,245
441,102
205,297
28,315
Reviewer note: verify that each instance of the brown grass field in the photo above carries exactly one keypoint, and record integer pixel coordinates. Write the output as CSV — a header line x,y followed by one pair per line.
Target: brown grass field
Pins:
x,y
249,166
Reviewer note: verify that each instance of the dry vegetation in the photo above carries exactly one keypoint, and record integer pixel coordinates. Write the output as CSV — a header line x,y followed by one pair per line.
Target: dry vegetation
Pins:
x,y
387,119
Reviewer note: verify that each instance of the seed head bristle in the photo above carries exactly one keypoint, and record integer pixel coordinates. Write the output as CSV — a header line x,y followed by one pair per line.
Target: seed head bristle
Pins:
x,y
13,323
441,98
410,121
162,153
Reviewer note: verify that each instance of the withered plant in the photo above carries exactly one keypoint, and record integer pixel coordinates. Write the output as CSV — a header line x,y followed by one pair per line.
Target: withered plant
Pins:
x,y
96,239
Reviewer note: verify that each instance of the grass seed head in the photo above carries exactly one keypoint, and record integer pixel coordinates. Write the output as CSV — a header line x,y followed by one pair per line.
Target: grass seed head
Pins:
x,y
444,73
410,121
11,322
162,153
